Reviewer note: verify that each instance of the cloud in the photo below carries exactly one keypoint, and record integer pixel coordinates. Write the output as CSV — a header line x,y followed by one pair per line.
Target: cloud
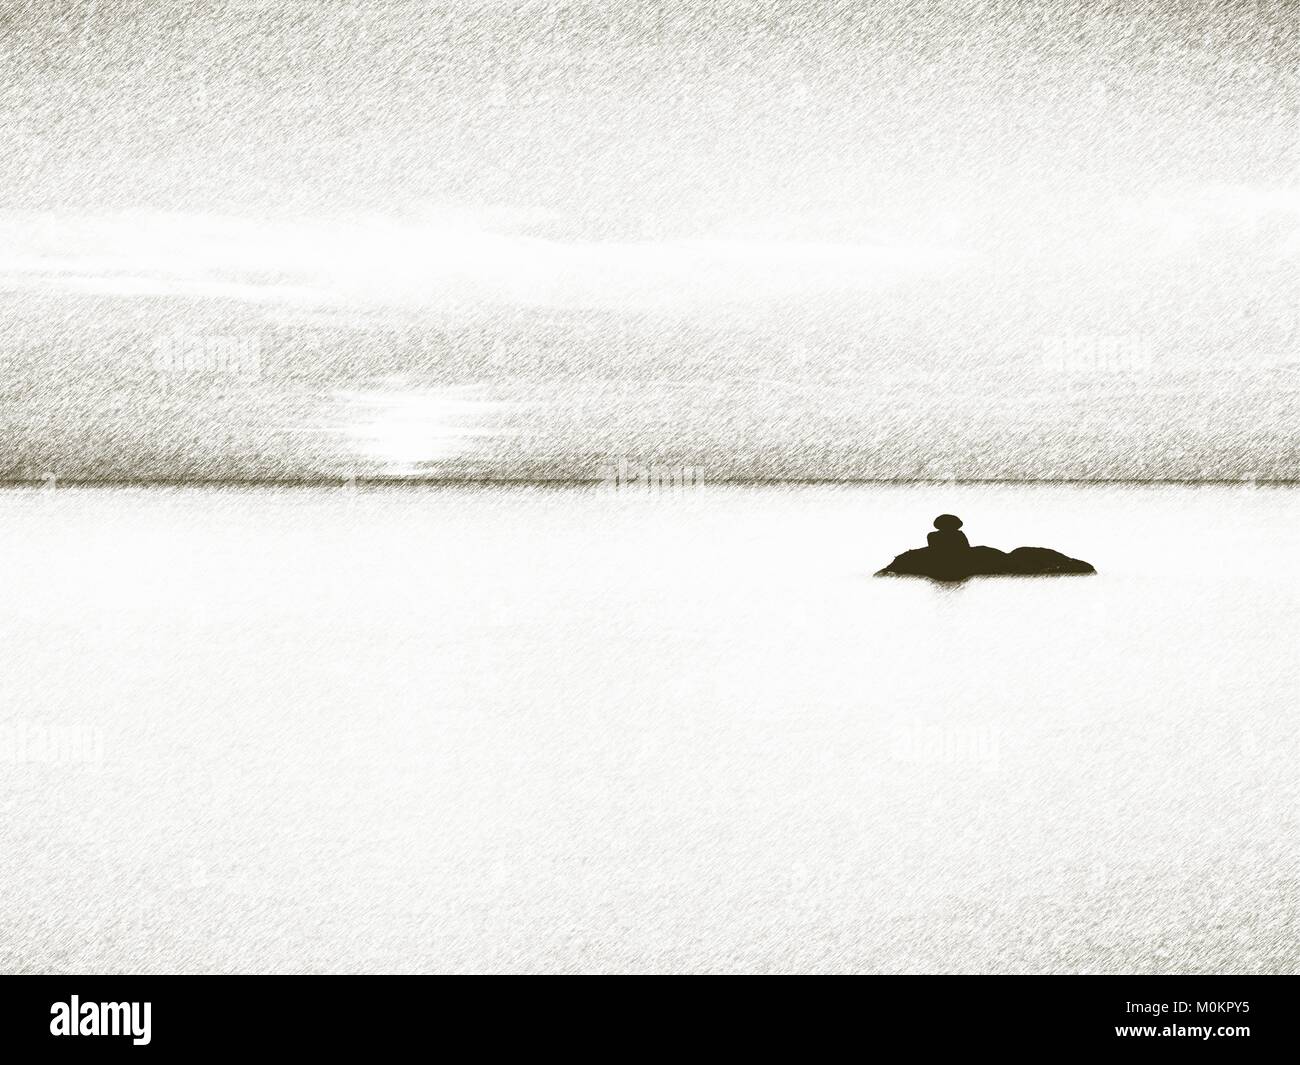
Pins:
x,y
434,260
1184,217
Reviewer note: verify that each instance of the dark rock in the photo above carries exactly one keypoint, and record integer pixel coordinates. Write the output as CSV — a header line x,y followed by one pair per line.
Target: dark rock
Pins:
x,y
949,565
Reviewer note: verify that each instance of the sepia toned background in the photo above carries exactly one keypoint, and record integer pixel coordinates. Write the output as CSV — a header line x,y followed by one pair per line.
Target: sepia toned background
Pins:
x,y
527,240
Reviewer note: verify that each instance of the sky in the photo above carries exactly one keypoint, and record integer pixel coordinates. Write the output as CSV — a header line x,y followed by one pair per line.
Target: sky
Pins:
x,y
531,239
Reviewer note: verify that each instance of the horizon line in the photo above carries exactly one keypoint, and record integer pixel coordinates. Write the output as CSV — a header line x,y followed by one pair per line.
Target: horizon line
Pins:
x,y
384,481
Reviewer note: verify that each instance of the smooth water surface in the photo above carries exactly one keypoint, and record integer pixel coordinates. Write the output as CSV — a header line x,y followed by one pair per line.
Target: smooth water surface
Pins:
x,y
585,729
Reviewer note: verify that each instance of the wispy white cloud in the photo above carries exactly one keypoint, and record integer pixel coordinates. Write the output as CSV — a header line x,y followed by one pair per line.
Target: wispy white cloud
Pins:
x,y
435,260
1184,216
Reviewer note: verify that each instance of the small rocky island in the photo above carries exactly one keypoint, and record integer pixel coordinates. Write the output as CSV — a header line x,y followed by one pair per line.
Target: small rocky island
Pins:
x,y
950,557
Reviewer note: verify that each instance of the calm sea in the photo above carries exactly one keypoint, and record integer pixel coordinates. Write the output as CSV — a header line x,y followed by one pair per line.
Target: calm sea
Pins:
x,y
678,730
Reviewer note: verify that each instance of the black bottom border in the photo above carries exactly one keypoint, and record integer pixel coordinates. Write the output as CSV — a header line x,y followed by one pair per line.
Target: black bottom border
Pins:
x,y
383,1015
